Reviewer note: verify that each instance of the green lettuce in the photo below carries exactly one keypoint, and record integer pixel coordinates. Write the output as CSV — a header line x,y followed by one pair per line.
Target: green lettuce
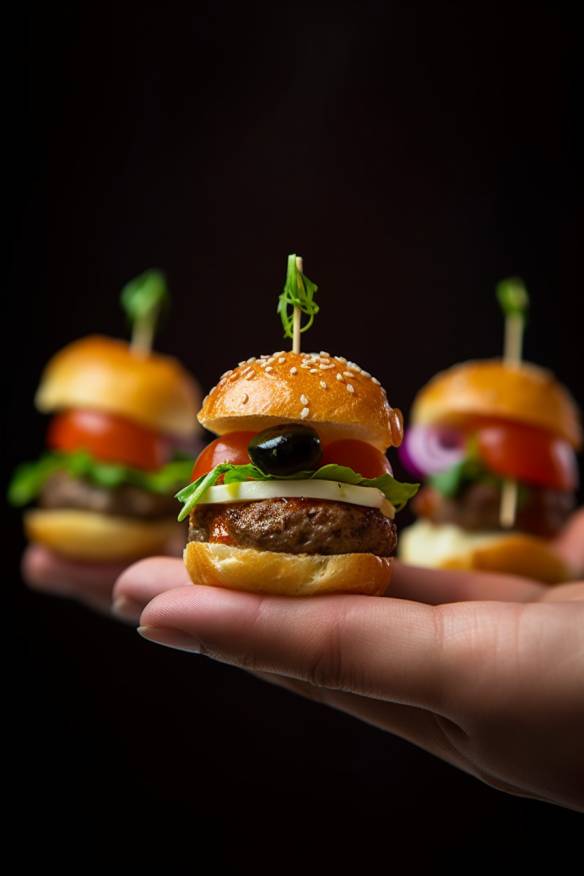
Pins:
x,y
30,477
397,493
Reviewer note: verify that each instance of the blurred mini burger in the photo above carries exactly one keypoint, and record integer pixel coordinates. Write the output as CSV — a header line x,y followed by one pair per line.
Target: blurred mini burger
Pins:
x,y
495,441
123,428
296,495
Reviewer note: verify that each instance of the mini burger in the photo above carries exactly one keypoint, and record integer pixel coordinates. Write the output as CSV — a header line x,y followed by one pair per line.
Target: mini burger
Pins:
x,y
123,426
296,495
495,441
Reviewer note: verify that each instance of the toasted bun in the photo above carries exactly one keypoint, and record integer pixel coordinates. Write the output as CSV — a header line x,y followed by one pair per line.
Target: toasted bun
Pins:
x,y
525,393
93,537
220,565
445,546
333,395
106,375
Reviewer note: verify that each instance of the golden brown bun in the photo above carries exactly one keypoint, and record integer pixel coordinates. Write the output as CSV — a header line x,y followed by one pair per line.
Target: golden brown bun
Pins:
x,y
93,537
220,565
106,375
445,546
335,396
526,393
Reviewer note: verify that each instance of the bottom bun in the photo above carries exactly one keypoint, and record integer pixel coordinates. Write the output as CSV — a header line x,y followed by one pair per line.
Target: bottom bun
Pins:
x,y
94,537
220,565
445,546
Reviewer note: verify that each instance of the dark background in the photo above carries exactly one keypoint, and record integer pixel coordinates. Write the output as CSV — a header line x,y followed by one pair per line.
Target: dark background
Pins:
x,y
414,155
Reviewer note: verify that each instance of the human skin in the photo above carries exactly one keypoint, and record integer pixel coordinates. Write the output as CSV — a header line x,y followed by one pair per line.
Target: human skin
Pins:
x,y
485,671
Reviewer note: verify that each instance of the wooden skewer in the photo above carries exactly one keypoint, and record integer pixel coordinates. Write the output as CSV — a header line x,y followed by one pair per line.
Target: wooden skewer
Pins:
x,y
512,355
508,507
142,337
297,314
513,340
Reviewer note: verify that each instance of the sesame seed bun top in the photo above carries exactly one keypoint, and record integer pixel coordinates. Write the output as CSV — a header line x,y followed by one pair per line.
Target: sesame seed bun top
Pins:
x,y
335,396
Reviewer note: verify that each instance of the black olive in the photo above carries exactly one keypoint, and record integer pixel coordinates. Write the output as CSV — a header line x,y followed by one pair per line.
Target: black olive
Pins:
x,y
286,449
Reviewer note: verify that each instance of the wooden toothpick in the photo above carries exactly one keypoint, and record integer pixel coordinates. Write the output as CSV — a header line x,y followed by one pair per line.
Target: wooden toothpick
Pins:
x,y
513,299
297,314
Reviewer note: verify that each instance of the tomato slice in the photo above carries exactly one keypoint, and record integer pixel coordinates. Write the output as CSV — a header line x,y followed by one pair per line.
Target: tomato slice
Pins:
x,y
228,448
363,458
528,454
109,438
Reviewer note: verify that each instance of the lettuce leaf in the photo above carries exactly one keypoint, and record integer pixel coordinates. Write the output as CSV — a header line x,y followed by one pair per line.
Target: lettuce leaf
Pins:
x,y
30,477
397,493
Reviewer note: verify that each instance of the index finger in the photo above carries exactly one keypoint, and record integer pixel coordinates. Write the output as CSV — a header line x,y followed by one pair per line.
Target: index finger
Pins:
x,y
437,586
386,648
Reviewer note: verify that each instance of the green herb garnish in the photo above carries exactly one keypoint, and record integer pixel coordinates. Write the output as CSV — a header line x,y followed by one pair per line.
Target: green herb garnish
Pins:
x,y
298,293
143,299
30,477
513,297
395,491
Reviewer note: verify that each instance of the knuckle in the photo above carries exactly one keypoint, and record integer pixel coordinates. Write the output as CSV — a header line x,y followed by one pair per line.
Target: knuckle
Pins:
x,y
329,668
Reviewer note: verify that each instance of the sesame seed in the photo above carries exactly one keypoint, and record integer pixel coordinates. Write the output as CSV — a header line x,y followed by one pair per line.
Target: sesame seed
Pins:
x,y
251,359
269,368
239,364
365,373
244,398
340,377
294,371
304,413
304,365
313,370
250,376
350,388
341,359
227,373
324,367
323,384
303,400
376,381
279,353
324,353
349,373
281,360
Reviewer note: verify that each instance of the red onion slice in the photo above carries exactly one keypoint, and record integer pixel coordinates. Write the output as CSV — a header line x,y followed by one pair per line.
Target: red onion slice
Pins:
x,y
431,449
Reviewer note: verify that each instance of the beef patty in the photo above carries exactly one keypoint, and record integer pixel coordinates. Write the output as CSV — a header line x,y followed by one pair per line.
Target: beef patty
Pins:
x,y
64,491
540,511
296,526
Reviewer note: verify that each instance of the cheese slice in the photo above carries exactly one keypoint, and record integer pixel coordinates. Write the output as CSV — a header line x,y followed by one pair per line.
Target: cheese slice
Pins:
x,y
330,491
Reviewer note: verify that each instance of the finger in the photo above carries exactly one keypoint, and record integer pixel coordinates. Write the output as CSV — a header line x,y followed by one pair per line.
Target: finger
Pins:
x,y
418,726
573,591
144,580
45,571
437,586
385,648
570,543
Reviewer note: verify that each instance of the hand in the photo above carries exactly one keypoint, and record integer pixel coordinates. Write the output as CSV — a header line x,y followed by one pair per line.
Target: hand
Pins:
x,y
485,671
89,583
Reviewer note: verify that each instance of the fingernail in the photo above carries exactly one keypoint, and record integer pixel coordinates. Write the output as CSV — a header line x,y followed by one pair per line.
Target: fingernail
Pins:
x,y
170,638
127,609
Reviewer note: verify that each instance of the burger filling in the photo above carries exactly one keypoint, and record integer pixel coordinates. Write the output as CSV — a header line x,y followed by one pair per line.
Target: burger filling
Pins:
x,y
279,490
540,511
295,525
104,463
62,490
467,469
